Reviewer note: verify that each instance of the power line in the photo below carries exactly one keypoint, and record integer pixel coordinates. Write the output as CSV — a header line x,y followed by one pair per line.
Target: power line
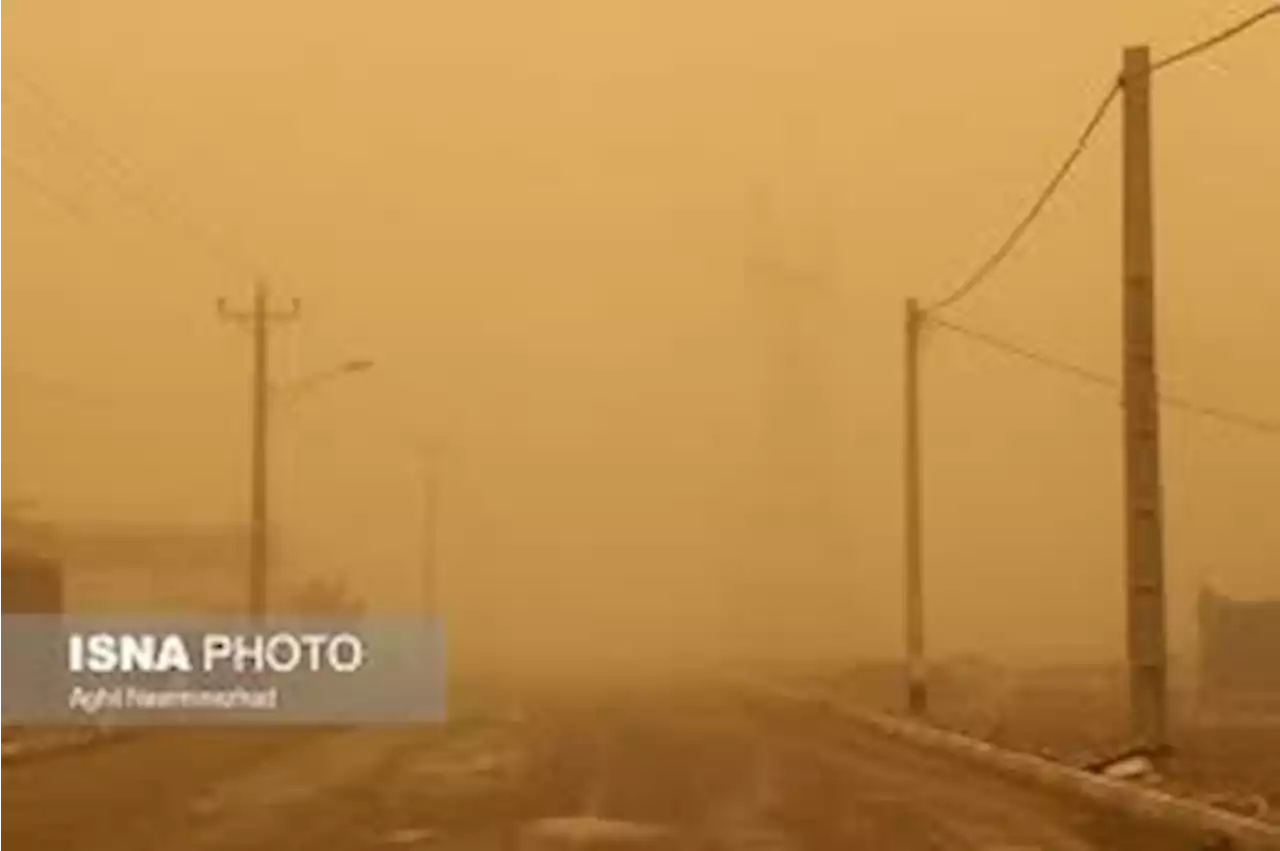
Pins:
x,y
1247,421
10,99
128,185
1232,417
983,272
1039,358
1215,40
48,193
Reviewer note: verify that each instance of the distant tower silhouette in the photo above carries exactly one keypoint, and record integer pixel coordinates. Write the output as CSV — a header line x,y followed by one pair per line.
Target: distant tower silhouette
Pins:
x,y
790,286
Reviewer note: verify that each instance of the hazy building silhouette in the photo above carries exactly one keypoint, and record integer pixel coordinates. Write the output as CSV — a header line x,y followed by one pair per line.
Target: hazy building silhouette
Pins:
x,y
1239,646
134,569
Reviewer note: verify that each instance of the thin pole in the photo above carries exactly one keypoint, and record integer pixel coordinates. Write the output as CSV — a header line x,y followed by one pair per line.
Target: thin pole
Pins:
x,y
430,530
917,696
1143,511
258,544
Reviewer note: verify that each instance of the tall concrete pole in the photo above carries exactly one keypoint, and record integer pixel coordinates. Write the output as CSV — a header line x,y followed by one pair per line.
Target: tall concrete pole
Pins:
x,y
917,694
1143,494
259,320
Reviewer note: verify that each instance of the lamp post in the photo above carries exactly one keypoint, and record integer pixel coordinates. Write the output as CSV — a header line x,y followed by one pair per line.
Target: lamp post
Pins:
x,y
429,454
259,552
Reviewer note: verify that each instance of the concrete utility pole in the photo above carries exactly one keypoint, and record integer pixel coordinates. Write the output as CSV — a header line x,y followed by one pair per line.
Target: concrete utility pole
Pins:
x,y
1143,520
917,694
259,319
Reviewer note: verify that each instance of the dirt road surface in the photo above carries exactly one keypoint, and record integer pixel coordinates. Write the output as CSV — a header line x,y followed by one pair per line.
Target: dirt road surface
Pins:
x,y
718,772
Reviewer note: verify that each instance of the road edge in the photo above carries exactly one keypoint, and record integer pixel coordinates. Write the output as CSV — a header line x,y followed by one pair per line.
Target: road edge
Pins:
x,y
17,752
1145,804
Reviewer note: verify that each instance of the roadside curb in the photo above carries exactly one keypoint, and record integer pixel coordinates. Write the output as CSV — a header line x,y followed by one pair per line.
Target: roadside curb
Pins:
x,y
52,746
1149,805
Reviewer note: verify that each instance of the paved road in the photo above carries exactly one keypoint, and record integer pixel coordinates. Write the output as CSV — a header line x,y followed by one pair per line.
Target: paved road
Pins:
x,y
266,789
735,776
843,785
81,798
723,773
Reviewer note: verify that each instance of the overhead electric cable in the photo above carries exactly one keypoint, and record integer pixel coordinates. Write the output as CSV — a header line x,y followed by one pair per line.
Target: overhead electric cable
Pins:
x,y
1248,421
983,272
129,186
1215,40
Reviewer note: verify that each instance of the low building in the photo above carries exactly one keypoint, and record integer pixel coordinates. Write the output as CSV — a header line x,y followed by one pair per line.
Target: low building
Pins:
x,y
154,570
32,584
134,569
1239,646
32,578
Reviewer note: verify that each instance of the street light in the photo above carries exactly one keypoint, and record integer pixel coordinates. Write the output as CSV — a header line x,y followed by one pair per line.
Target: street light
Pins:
x,y
259,551
429,453
299,386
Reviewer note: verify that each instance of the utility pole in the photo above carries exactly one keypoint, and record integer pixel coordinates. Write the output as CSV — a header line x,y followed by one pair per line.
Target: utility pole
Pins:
x,y
430,529
917,694
259,319
1143,521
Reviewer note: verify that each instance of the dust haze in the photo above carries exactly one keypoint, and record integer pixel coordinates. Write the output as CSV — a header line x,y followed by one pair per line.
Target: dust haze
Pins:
x,y
637,269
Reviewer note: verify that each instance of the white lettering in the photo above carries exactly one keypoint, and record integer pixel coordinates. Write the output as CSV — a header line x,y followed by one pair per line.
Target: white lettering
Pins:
x,y
292,648
355,654
247,652
315,643
284,653
216,646
104,653
91,700
173,655
75,652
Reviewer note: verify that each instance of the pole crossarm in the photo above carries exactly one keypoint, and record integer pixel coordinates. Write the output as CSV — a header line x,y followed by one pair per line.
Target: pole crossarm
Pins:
x,y
260,319
225,311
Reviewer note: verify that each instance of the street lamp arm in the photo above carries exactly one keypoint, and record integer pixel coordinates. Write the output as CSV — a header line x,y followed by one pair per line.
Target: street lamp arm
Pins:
x,y
309,382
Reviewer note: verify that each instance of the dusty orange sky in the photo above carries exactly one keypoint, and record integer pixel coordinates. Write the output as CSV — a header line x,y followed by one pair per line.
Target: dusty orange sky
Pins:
x,y
570,234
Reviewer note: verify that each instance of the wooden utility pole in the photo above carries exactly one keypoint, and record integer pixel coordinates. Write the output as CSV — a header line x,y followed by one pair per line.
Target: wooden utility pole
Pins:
x,y
1143,510
917,694
259,320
